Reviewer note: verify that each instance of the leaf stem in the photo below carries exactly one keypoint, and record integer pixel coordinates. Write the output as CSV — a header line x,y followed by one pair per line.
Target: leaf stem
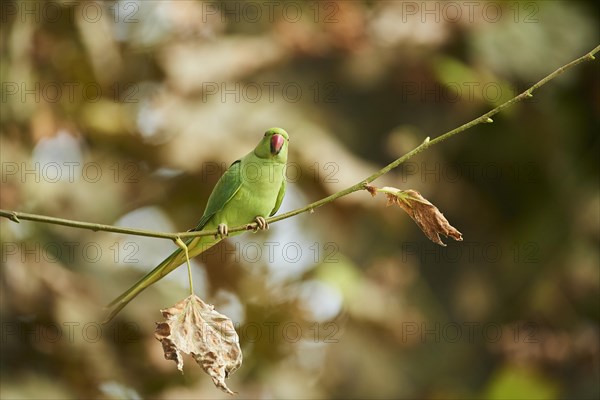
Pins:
x,y
184,247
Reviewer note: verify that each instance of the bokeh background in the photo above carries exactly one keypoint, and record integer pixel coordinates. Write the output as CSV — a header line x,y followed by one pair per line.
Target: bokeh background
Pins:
x,y
128,112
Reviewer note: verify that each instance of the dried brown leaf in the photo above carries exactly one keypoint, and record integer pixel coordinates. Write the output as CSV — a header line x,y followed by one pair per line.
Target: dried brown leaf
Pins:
x,y
427,216
194,327
391,199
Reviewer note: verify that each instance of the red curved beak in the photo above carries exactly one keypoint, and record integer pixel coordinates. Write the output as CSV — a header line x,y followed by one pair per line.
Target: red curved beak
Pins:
x,y
276,144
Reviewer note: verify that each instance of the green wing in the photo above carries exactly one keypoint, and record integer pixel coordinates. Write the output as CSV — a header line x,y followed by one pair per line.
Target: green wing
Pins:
x,y
279,198
224,190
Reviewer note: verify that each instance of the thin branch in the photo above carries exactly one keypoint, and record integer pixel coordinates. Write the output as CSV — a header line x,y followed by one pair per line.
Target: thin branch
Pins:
x,y
15,216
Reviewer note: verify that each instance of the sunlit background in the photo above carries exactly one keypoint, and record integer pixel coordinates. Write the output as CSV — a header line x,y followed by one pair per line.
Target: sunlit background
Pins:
x,y
127,113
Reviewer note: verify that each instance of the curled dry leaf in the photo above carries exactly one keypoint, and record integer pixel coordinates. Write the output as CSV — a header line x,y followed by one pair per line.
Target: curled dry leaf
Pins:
x,y
427,216
194,327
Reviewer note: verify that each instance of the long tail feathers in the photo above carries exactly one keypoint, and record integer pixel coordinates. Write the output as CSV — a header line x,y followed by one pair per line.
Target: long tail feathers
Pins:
x,y
195,247
168,265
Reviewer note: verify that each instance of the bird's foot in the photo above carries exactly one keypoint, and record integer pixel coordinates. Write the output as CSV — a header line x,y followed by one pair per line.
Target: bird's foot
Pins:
x,y
222,230
261,223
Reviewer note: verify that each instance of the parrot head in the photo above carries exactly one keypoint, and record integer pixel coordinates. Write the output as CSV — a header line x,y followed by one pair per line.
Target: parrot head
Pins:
x,y
273,145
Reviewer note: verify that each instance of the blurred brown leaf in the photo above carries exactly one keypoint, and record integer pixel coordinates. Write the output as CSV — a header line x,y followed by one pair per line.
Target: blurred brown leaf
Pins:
x,y
427,216
195,328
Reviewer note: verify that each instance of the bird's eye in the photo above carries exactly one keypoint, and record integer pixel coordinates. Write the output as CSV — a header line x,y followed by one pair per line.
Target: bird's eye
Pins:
x,y
266,133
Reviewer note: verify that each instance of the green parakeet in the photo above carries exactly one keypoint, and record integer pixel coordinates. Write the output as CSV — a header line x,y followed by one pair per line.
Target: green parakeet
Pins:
x,y
250,190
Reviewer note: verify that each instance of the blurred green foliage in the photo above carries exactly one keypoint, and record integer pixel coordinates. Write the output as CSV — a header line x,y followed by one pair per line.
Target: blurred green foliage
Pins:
x,y
127,113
